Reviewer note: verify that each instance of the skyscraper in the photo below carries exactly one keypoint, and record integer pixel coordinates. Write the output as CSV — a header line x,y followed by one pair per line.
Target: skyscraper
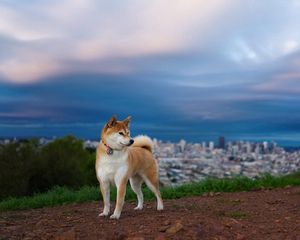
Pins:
x,y
203,145
211,145
222,142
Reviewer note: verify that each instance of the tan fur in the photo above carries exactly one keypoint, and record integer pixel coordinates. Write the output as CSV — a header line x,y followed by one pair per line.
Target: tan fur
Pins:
x,y
143,142
134,163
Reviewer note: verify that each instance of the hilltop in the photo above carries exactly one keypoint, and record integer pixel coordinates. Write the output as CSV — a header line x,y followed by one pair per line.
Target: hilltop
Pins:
x,y
258,214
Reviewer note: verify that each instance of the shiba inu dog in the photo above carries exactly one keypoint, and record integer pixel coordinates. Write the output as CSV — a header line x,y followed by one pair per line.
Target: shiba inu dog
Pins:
x,y
120,158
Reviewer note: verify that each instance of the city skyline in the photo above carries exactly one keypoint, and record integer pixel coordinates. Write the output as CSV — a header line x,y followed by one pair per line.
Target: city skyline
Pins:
x,y
183,162
218,143
194,70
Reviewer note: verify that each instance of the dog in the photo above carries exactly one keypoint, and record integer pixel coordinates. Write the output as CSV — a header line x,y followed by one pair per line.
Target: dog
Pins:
x,y
120,158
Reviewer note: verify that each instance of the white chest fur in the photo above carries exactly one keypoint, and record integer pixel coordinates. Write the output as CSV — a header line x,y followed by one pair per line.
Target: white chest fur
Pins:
x,y
113,167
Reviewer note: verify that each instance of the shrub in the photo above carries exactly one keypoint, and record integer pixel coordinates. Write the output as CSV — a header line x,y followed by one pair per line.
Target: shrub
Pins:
x,y
16,162
27,168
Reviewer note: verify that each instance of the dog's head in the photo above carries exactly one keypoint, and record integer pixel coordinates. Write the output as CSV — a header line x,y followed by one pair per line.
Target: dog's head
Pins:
x,y
116,134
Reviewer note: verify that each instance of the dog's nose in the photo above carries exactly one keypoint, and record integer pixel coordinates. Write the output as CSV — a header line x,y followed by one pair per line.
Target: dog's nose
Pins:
x,y
131,141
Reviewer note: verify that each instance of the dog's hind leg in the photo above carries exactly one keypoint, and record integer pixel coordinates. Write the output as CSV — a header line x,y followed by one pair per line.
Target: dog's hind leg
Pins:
x,y
136,185
151,179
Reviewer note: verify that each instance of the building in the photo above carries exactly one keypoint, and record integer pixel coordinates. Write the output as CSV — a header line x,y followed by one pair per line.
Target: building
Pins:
x,y
211,145
222,142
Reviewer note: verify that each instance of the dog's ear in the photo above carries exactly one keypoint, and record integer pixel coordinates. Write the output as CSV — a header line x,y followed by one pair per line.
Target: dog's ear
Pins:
x,y
112,121
127,121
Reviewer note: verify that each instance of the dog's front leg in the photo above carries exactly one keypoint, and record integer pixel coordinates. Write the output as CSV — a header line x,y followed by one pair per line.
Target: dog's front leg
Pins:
x,y
121,191
104,186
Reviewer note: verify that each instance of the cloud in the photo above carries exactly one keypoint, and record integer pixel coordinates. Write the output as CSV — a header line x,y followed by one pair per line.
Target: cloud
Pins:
x,y
47,36
282,83
28,68
285,79
14,23
168,63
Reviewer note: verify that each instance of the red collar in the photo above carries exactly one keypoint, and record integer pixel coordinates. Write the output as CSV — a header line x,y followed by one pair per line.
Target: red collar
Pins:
x,y
109,150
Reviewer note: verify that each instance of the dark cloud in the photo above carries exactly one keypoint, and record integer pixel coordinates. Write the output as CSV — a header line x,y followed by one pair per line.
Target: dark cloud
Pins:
x,y
80,104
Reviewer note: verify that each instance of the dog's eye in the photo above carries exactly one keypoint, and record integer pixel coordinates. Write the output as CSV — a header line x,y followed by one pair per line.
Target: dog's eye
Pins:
x,y
121,133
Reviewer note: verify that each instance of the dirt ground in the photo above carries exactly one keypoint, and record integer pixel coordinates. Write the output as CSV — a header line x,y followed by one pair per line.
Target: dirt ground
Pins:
x,y
263,214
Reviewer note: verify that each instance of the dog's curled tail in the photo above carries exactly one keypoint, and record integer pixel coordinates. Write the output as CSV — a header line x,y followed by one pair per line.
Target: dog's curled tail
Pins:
x,y
143,142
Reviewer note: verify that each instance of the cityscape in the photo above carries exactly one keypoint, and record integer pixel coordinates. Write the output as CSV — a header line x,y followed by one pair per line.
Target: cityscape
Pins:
x,y
187,162
183,162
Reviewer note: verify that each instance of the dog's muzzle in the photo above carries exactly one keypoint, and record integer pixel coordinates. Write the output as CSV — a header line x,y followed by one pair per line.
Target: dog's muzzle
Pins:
x,y
130,142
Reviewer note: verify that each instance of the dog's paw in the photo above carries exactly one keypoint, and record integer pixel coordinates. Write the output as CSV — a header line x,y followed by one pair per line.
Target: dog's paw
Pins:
x,y
138,208
115,216
160,207
103,214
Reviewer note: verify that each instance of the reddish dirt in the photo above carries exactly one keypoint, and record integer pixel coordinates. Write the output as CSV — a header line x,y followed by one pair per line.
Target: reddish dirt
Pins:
x,y
263,214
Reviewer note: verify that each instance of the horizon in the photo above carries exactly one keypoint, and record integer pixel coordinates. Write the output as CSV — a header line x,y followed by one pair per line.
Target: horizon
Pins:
x,y
286,142
198,71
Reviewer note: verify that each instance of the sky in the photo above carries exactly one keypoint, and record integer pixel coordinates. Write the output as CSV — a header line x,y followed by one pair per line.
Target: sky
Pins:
x,y
182,69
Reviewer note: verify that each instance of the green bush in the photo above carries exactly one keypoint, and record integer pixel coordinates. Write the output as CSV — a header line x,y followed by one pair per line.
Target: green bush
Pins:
x,y
16,161
27,168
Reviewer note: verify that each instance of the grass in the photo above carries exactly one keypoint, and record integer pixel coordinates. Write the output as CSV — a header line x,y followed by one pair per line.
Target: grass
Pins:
x,y
228,201
232,214
63,195
236,215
